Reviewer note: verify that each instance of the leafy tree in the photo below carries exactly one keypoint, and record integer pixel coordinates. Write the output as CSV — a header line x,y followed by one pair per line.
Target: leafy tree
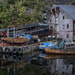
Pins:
x,y
24,4
11,8
11,2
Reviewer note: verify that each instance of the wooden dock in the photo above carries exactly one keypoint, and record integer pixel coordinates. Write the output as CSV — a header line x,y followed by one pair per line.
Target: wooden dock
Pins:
x,y
25,49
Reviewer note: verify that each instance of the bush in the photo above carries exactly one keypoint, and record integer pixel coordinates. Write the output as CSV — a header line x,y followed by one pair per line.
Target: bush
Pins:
x,y
24,4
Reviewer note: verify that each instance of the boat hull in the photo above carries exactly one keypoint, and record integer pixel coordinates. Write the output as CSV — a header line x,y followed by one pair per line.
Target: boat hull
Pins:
x,y
16,42
13,44
62,52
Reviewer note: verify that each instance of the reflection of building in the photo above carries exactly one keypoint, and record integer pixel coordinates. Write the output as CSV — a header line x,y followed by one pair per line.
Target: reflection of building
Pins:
x,y
58,67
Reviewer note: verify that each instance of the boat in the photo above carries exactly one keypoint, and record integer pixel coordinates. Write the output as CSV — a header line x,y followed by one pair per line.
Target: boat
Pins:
x,y
47,44
69,49
17,41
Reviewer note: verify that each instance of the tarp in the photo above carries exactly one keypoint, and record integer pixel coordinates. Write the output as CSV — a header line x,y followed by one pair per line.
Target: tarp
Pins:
x,y
62,43
29,36
48,44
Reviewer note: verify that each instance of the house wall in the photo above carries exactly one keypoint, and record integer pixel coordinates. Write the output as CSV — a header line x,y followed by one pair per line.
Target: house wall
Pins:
x,y
63,30
60,25
74,30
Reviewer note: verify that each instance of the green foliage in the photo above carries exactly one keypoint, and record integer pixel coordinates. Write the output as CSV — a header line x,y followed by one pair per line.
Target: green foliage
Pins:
x,y
11,8
24,4
11,2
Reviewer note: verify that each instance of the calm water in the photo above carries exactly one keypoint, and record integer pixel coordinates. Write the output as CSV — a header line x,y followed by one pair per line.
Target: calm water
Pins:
x,y
37,63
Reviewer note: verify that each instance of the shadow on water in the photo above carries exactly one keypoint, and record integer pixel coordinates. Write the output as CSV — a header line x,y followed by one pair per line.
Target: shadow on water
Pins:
x,y
37,63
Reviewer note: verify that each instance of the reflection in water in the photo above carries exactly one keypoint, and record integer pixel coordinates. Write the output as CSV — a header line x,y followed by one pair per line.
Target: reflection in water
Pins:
x,y
58,67
57,64
41,64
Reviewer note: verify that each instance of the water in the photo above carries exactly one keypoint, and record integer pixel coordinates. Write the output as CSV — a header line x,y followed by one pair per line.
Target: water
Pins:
x,y
37,63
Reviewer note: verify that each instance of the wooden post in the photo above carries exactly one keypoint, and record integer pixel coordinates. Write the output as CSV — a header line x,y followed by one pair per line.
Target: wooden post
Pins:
x,y
13,33
23,38
7,32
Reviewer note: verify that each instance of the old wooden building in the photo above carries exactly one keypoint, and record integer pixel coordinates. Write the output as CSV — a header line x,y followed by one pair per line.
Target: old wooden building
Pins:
x,y
62,20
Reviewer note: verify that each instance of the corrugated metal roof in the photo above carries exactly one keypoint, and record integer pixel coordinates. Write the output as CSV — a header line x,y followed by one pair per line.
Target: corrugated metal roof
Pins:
x,y
30,25
69,9
4,29
34,25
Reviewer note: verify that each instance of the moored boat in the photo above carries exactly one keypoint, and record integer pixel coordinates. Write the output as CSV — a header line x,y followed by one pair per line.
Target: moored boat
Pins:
x,y
69,48
14,41
52,51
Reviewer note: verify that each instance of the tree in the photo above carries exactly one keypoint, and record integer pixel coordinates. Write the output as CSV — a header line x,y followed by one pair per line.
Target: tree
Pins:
x,y
11,2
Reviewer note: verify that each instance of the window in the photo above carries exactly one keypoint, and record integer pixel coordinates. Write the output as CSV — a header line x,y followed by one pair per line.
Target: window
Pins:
x,y
63,26
50,20
67,26
67,35
73,36
63,17
74,27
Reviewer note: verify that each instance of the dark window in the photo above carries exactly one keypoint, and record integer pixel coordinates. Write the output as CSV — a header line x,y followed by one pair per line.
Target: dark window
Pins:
x,y
73,36
50,20
67,26
74,27
67,35
63,17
